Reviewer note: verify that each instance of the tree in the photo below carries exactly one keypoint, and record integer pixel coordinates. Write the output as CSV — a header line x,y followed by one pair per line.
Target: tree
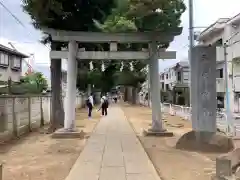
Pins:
x,y
158,15
108,16
36,78
74,15
141,15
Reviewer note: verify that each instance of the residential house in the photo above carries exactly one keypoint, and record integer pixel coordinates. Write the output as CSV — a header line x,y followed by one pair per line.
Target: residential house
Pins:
x,y
226,31
10,64
175,83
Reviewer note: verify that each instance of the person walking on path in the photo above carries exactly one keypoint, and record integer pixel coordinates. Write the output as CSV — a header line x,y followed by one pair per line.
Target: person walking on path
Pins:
x,y
90,105
104,105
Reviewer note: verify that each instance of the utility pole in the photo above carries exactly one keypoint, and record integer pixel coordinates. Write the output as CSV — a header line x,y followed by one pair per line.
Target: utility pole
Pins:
x,y
191,39
228,109
228,106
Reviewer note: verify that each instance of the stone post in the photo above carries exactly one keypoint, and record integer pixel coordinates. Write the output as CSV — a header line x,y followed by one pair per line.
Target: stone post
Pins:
x,y
155,89
203,89
69,122
204,105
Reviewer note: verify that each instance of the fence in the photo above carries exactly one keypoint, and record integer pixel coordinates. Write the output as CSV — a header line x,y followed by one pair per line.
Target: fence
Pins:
x,y
185,112
21,114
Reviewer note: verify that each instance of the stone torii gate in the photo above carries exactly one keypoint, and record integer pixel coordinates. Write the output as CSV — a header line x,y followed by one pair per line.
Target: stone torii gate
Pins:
x,y
73,54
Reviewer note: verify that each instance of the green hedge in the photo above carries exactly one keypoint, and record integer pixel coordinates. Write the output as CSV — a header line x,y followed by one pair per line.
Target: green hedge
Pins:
x,y
22,89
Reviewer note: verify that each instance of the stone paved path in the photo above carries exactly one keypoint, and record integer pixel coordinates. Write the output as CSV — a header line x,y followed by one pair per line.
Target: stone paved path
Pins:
x,y
113,152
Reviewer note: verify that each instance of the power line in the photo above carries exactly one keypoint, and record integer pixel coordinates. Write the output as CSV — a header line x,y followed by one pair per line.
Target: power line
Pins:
x,y
15,17
18,20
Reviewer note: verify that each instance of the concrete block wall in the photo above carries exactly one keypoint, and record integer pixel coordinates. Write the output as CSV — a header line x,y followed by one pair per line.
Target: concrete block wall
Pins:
x,y
17,112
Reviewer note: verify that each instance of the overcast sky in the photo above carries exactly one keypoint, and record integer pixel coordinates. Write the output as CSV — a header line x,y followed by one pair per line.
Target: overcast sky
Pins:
x,y
26,39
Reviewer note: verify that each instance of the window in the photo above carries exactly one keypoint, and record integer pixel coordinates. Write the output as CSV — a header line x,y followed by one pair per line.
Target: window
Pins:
x,y
162,85
220,73
16,63
179,77
167,86
185,76
4,59
219,42
166,76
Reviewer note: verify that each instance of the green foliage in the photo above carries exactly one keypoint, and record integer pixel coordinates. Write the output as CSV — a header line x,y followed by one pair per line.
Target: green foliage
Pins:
x,y
142,15
36,79
118,24
34,83
72,15
82,82
95,77
157,15
107,16
19,89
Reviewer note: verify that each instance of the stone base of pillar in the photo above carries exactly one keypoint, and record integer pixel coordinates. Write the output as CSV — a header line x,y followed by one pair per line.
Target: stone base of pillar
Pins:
x,y
205,142
68,134
160,133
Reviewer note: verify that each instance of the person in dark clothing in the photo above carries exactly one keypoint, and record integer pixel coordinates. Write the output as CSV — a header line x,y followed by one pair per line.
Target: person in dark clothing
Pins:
x,y
104,105
115,99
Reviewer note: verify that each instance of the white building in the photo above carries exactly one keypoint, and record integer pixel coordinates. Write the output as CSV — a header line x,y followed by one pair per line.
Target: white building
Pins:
x,y
10,64
175,83
226,30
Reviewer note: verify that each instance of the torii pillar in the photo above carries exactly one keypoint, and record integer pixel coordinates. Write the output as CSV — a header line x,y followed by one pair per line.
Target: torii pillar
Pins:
x,y
69,130
157,123
155,88
70,115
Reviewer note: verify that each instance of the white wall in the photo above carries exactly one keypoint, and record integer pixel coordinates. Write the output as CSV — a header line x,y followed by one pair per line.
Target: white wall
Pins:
x,y
7,62
5,73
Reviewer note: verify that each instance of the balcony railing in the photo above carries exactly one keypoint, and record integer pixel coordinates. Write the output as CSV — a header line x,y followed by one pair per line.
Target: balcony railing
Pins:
x,y
235,50
237,84
220,85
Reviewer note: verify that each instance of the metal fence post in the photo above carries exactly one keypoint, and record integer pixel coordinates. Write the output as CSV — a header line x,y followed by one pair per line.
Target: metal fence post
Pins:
x,y
41,112
29,115
14,119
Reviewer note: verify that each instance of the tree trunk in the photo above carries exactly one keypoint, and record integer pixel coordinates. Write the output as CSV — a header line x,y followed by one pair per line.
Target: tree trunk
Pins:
x,y
125,94
57,112
130,97
134,95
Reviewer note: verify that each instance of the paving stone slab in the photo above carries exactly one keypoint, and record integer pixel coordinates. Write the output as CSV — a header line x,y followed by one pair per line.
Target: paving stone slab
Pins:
x,y
113,173
141,177
113,152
